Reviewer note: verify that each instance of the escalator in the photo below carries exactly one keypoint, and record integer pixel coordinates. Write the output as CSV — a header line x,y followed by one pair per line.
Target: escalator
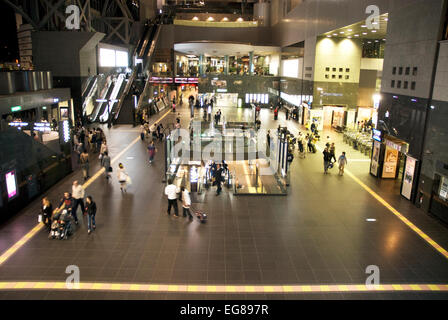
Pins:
x,y
101,106
88,96
124,109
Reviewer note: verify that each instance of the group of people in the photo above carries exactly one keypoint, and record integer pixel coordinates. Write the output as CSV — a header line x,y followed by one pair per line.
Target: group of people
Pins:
x,y
93,141
330,154
175,194
69,205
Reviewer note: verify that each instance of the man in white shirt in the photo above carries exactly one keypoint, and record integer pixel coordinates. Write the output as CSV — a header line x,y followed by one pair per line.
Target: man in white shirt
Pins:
x,y
78,196
171,192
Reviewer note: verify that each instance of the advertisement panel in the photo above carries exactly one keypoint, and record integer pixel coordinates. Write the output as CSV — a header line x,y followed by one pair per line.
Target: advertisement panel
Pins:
x,y
390,163
408,179
375,158
11,184
443,192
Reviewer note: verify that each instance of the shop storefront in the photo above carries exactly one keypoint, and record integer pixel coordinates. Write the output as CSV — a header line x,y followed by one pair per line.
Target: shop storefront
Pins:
x,y
390,160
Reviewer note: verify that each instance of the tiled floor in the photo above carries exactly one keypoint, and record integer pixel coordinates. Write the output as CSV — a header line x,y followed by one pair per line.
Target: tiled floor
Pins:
x,y
318,234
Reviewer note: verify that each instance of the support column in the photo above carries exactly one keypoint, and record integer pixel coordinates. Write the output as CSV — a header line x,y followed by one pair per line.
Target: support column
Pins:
x,y
226,65
201,64
251,63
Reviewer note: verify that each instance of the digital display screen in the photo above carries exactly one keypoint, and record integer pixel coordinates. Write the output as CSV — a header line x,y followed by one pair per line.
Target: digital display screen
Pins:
x,y
11,184
376,135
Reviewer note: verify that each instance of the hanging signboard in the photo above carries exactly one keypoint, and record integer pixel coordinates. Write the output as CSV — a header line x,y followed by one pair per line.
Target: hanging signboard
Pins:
x,y
408,179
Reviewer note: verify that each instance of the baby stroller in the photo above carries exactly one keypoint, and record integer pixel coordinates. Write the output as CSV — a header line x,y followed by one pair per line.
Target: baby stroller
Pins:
x,y
201,215
61,227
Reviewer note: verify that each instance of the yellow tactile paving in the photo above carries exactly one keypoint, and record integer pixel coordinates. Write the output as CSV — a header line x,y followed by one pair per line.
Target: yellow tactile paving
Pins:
x,y
19,244
413,227
181,288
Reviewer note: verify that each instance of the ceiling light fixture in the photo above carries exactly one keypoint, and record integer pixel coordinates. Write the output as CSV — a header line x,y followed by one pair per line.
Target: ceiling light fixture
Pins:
x,y
225,19
342,32
373,31
350,30
210,19
239,19
363,26
364,33
195,19
356,35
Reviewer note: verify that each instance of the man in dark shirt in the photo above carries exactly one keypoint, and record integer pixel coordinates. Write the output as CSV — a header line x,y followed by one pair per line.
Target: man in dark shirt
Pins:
x,y
67,203
218,179
327,160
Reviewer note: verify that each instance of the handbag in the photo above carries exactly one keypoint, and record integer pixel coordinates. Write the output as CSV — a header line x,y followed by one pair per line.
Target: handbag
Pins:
x,y
128,180
110,169
39,218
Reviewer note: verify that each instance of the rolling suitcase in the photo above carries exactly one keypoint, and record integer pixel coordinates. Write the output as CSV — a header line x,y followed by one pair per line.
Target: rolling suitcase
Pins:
x,y
201,215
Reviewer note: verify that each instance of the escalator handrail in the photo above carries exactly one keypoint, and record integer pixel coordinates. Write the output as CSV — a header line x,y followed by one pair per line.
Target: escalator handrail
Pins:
x,y
132,77
148,62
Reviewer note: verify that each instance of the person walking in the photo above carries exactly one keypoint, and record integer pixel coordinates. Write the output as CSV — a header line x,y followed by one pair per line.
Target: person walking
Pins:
x,y
84,160
327,160
123,178
103,148
218,179
46,211
91,213
186,202
333,151
171,192
78,197
151,151
105,163
268,141
276,113
342,163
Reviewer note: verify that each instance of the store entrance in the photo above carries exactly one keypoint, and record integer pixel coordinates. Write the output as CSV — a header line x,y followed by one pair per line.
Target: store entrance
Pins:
x,y
334,117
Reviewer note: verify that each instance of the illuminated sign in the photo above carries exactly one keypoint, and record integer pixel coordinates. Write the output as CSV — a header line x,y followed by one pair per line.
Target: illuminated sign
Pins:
x,y
11,184
181,80
65,131
18,124
16,108
160,80
194,175
221,90
376,135
42,127
55,100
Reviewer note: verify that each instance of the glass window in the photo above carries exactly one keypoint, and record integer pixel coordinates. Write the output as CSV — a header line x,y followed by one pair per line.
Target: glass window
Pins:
x,y
347,69
400,70
333,76
347,77
341,69
399,84
334,69
327,69
327,76
405,85
414,71
413,85
392,84
394,70
406,72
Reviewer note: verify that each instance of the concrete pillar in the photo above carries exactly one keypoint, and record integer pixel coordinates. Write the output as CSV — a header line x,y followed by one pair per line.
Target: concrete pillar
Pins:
x,y
201,64
251,63
226,65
